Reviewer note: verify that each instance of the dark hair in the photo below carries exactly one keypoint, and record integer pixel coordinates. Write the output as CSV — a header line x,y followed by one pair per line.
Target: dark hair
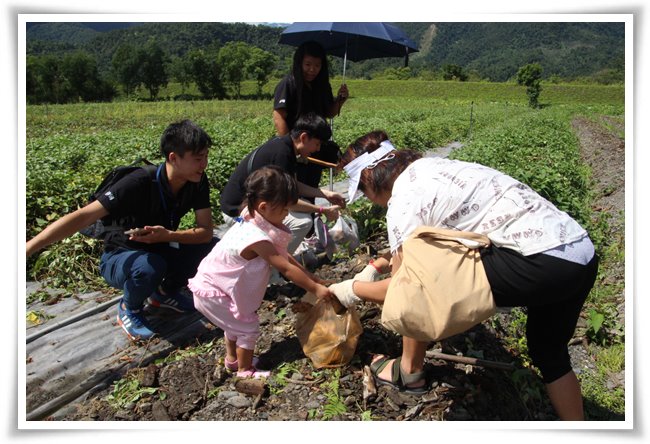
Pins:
x,y
382,176
271,184
312,124
320,85
183,136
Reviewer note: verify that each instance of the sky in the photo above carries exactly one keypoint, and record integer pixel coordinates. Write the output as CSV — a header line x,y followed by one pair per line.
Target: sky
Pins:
x,y
334,10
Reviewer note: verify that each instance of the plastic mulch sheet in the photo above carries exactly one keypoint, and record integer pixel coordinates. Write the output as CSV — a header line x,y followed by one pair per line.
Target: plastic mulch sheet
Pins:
x,y
66,362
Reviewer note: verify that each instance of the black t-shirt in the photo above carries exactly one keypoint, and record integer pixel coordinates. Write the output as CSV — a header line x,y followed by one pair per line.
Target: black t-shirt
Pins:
x,y
277,151
286,97
138,198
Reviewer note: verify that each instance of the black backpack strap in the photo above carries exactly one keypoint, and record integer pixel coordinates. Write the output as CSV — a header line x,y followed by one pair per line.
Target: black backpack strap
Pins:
x,y
140,160
249,166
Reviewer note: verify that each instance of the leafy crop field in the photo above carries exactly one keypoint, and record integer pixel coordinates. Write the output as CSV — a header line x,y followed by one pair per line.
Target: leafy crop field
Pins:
x,y
69,148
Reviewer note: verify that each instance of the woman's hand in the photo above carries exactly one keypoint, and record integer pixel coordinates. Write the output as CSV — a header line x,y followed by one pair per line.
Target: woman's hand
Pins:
x,y
344,291
331,213
334,198
343,94
369,274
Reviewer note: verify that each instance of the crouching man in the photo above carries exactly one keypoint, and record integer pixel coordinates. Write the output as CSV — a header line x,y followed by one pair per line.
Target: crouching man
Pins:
x,y
149,258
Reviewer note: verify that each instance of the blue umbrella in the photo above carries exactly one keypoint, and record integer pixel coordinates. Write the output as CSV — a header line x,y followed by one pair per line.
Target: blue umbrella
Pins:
x,y
354,41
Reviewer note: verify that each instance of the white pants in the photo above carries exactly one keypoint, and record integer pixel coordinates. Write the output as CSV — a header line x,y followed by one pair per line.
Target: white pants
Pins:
x,y
298,223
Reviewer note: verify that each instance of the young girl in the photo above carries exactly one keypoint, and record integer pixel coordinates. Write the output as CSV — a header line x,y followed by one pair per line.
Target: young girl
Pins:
x,y
230,282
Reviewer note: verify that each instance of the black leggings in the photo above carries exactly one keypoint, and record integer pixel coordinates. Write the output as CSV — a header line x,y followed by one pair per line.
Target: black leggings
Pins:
x,y
553,290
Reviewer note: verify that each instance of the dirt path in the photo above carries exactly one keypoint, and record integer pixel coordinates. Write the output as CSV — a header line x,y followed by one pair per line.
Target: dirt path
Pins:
x,y
192,388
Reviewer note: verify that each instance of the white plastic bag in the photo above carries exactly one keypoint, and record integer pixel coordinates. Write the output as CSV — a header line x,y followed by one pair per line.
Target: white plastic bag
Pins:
x,y
345,233
324,239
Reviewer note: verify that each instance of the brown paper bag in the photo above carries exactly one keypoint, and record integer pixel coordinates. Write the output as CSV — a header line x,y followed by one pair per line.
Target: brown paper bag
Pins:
x,y
327,338
440,288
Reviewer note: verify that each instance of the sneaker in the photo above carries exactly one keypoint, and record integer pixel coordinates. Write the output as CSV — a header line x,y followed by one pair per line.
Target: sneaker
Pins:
x,y
133,323
177,302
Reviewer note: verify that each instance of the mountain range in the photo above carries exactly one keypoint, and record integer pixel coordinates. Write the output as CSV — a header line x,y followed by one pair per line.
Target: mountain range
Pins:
x,y
491,50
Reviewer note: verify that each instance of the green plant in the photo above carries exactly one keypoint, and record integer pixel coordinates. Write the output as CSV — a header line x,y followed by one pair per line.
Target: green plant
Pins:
x,y
366,415
37,317
612,359
370,218
126,391
515,336
334,406
214,392
71,264
188,352
530,76
529,387
39,296
281,375
594,323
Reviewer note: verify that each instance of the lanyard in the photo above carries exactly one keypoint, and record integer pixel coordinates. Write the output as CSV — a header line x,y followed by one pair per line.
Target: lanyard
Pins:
x,y
162,196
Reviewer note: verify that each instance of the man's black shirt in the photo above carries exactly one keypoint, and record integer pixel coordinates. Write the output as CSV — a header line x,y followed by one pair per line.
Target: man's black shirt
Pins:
x,y
278,151
139,199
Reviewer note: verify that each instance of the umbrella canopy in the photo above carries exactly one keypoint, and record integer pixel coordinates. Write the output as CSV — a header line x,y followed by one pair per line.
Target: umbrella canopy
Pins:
x,y
353,41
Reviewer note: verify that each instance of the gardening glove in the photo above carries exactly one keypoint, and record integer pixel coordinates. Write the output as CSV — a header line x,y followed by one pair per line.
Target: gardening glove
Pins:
x,y
368,274
344,292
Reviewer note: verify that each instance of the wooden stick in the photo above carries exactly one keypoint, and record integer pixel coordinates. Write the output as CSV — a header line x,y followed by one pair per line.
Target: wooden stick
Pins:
x,y
322,162
471,361
369,387
250,386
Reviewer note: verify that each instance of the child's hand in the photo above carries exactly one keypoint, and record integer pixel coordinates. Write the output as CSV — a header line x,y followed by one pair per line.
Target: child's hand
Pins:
x,y
322,292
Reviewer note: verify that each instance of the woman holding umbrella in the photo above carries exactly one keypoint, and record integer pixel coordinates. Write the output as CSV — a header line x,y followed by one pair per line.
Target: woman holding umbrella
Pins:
x,y
307,89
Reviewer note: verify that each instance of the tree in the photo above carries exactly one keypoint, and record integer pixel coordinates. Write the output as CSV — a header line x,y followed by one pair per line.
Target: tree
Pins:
x,y
206,73
31,79
52,86
126,66
232,59
402,73
530,76
181,71
80,71
260,66
153,68
54,80
453,72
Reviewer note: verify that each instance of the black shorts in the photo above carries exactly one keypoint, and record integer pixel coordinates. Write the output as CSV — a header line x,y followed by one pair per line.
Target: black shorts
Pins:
x,y
553,290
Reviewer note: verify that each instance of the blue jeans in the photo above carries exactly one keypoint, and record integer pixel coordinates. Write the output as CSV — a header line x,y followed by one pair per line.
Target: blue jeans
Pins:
x,y
139,273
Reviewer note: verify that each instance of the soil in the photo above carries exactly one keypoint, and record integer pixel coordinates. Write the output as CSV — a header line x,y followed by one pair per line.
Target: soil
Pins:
x,y
197,388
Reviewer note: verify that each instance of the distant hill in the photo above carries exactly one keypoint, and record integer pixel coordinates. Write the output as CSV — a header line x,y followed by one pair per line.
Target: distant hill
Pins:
x,y
497,50
491,51
72,33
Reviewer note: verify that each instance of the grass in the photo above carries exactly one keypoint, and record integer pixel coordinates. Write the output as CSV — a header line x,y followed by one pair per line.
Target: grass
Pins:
x,y
552,94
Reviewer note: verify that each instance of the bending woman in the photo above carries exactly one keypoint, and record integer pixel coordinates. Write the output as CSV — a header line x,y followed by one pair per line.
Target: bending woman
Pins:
x,y
539,257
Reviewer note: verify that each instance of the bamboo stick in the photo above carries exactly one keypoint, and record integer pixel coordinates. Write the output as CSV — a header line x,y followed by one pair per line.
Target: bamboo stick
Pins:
x,y
322,162
471,361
